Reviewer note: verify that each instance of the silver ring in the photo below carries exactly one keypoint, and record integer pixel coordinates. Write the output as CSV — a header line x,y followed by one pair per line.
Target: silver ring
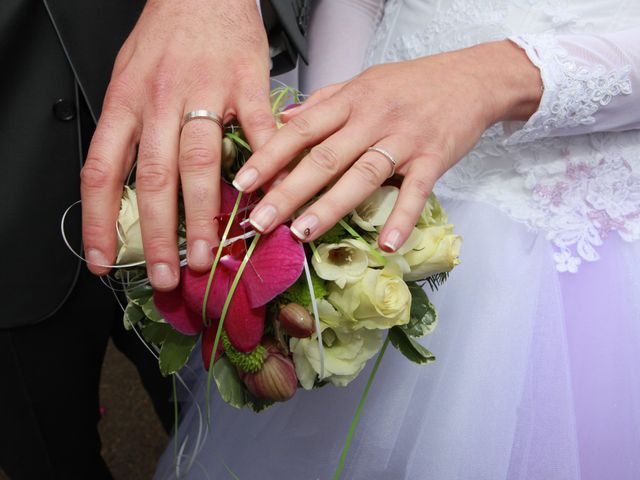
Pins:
x,y
195,114
386,155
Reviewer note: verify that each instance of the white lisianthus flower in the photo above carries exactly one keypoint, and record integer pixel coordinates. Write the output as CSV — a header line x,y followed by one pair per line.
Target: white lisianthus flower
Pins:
x,y
437,251
372,214
128,229
345,355
432,213
380,300
341,263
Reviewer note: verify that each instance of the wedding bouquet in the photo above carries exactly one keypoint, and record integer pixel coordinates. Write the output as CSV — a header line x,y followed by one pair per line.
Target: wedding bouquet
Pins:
x,y
273,314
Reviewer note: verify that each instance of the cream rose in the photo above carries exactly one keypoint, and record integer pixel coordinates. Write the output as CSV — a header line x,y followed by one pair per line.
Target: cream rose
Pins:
x,y
380,300
345,355
341,263
437,251
128,229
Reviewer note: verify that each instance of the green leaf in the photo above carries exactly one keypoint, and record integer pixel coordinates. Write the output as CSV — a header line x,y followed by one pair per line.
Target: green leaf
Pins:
x,y
175,351
151,312
424,317
299,291
409,347
231,388
140,294
156,332
132,315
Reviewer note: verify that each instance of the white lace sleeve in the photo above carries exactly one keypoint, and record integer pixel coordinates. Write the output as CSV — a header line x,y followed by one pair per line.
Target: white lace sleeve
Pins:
x,y
591,84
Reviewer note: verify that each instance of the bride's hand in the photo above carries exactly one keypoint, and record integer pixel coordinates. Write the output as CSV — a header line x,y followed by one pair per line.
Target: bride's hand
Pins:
x,y
425,113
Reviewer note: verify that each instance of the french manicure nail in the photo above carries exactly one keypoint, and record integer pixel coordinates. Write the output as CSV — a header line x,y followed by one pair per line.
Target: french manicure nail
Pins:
x,y
162,277
262,217
96,257
245,178
392,241
304,226
200,255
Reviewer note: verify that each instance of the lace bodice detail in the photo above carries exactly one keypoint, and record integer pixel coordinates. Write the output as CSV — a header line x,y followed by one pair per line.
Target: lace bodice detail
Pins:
x,y
573,170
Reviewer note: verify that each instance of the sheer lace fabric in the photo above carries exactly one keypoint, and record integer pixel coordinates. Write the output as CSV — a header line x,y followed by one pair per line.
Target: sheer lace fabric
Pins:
x,y
557,173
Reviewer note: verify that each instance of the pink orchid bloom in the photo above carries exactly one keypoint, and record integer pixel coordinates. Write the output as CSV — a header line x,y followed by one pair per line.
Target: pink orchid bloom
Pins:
x,y
276,263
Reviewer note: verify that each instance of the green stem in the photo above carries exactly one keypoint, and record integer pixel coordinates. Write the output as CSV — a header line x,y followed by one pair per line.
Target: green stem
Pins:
x,y
356,417
175,419
232,217
223,315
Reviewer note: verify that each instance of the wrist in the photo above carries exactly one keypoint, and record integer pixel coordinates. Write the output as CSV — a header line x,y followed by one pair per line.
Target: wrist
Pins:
x,y
513,83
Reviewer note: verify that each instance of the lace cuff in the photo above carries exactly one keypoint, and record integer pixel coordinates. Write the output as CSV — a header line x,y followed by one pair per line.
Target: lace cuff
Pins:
x,y
591,82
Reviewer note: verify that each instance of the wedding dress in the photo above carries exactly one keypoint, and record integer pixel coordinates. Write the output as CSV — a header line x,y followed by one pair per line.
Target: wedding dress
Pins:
x,y
538,344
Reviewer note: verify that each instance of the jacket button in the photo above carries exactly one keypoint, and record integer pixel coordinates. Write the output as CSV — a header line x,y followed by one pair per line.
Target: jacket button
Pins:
x,y
64,110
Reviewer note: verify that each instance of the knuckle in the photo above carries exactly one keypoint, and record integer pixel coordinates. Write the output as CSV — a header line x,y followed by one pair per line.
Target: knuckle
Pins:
x,y
325,158
153,176
370,171
259,120
120,93
300,126
162,86
420,187
97,173
197,156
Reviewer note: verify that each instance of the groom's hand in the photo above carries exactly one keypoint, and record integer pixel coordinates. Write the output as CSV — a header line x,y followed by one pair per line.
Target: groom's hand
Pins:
x,y
181,56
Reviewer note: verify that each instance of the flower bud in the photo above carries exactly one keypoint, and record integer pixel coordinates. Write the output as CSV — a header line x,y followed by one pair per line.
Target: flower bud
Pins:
x,y
229,151
296,321
276,380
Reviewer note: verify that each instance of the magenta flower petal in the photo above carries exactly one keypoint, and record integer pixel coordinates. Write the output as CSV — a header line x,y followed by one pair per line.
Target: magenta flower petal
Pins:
x,y
228,196
194,286
244,325
275,265
172,307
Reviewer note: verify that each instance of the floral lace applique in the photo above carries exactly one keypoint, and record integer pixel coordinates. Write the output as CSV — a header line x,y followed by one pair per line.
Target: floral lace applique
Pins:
x,y
573,93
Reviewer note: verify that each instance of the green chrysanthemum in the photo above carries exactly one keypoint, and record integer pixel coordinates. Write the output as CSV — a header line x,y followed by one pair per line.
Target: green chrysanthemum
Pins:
x,y
250,362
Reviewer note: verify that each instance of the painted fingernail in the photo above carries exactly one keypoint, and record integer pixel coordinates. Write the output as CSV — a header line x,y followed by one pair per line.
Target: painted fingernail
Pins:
x,y
245,178
392,242
162,277
200,255
96,257
262,217
304,226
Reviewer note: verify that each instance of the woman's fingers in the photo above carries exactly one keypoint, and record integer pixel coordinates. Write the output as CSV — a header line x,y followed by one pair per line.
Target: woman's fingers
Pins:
x,y
157,187
199,164
414,193
325,162
306,129
108,162
317,97
361,180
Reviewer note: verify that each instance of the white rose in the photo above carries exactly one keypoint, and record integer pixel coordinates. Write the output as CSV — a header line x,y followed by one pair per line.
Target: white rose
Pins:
x,y
128,229
380,300
341,263
437,251
345,355
374,211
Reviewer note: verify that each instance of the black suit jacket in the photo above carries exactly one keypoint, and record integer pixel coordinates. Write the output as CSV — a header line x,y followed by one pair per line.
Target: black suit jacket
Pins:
x,y
57,57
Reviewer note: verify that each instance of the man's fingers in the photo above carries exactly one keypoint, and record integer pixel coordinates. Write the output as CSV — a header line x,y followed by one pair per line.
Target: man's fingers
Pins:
x,y
108,162
254,114
415,191
199,163
157,187
308,128
321,166
363,178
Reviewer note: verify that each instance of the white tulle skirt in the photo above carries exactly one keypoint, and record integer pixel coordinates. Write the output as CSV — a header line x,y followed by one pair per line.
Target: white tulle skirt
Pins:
x,y
537,377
